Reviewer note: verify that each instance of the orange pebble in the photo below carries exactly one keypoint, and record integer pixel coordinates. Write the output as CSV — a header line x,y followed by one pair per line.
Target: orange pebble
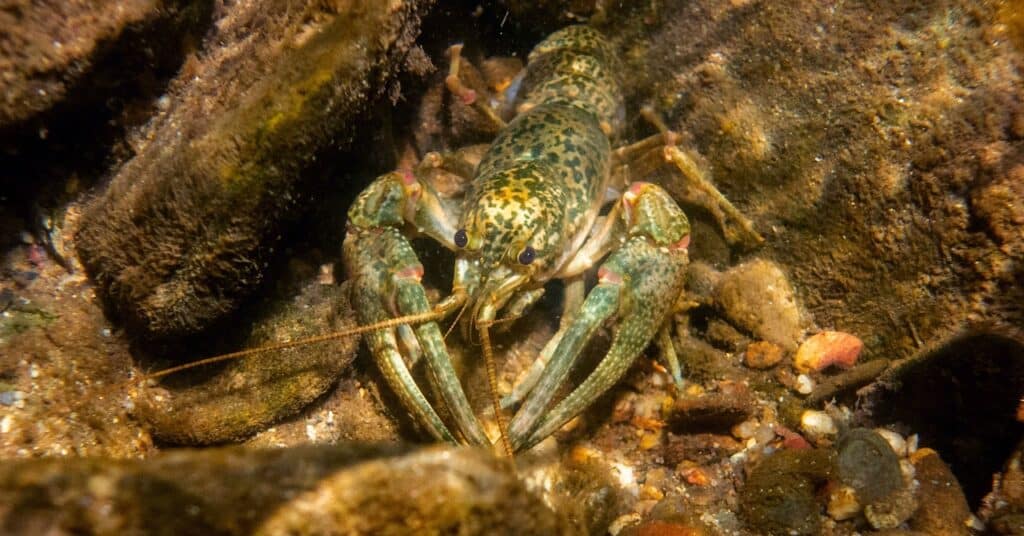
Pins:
x,y
762,355
696,476
828,348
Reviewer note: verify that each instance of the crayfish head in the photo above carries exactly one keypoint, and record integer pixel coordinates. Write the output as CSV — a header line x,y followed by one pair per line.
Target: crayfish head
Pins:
x,y
515,223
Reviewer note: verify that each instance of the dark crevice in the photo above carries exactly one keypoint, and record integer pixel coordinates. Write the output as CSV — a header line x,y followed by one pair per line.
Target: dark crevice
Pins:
x,y
961,399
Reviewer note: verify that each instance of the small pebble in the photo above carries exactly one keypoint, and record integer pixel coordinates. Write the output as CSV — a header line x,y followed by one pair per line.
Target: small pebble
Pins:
x,y
5,424
827,348
842,503
892,511
650,492
622,522
817,425
804,384
745,429
911,444
896,441
583,454
650,440
762,355
656,477
10,398
791,439
764,434
696,476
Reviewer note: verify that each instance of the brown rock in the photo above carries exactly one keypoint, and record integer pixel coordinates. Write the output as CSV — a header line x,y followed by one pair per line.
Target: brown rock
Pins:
x,y
762,355
757,296
943,509
715,411
702,449
252,393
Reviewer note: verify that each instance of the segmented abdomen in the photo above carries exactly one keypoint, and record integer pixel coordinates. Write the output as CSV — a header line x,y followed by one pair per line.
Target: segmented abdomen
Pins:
x,y
570,100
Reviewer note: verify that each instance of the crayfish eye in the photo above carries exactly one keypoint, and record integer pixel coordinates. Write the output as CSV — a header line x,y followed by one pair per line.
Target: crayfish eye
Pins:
x,y
461,239
527,255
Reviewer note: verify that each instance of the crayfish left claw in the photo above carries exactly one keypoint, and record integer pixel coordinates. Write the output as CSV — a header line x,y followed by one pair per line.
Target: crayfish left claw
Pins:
x,y
632,288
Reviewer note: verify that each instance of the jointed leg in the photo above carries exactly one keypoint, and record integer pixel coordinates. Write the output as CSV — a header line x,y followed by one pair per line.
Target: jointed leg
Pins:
x,y
648,155
467,95
668,352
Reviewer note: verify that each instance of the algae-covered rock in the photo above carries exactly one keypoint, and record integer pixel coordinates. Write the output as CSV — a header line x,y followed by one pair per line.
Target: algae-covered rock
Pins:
x,y
251,393
185,229
866,463
778,497
341,489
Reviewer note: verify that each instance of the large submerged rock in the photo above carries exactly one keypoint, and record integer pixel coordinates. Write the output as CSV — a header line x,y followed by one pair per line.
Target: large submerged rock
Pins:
x,y
186,227
341,489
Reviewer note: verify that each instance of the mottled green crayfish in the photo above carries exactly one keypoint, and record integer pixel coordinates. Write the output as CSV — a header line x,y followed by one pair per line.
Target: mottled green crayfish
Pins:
x,y
532,213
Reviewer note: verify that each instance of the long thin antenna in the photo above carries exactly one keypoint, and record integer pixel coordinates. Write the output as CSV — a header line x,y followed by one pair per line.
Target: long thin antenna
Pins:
x,y
389,323
492,378
456,321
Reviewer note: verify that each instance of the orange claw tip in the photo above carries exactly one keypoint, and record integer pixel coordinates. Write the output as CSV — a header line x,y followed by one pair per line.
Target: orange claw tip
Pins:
x,y
635,189
604,275
828,348
681,244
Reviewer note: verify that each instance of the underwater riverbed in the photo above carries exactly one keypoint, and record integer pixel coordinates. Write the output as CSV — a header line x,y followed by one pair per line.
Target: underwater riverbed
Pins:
x,y
176,180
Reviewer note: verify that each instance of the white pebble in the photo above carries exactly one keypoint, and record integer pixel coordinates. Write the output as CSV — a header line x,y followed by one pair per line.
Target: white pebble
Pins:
x,y
311,432
817,425
911,444
745,429
908,470
622,522
765,434
5,424
896,441
804,384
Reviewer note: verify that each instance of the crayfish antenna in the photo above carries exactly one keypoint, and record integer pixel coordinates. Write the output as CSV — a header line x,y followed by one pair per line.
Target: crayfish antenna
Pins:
x,y
389,323
492,379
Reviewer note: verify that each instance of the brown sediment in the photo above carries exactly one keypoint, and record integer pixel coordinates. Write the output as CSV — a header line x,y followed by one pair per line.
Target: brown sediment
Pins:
x,y
58,52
